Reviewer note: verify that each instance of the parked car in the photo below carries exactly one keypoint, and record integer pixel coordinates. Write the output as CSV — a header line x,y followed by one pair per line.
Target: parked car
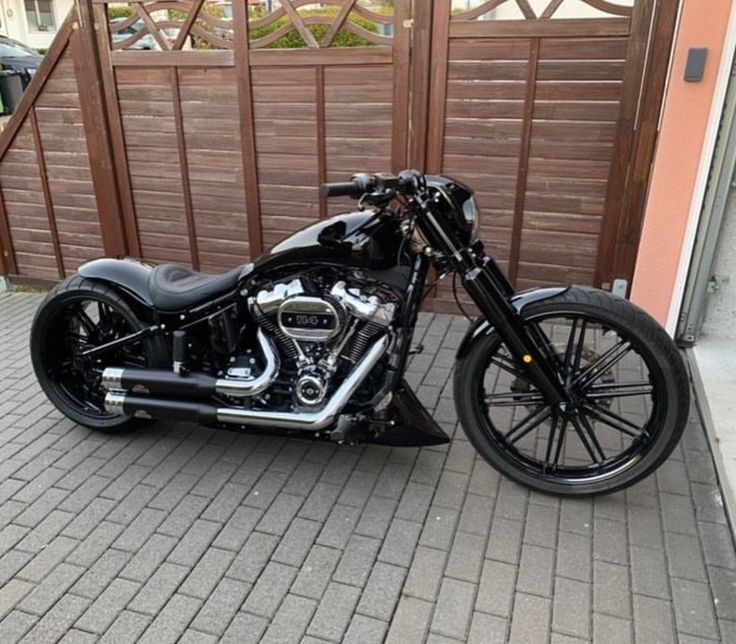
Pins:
x,y
144,42
16,56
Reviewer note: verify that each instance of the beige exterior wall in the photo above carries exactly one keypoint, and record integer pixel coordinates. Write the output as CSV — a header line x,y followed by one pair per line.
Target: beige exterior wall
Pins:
x,y
15,24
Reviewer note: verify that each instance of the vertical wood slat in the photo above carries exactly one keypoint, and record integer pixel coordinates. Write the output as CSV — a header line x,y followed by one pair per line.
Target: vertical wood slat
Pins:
x,y
438,85
645,139
319,73
184,169
46,191
523,170
247,128
623,142
88,72
421,47
401,72
7,254
117,136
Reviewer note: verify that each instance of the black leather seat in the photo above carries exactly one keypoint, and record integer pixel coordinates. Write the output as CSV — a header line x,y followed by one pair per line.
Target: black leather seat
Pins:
x,y
173,288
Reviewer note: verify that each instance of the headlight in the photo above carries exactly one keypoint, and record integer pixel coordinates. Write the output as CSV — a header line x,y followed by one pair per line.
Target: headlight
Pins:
x,y
470,213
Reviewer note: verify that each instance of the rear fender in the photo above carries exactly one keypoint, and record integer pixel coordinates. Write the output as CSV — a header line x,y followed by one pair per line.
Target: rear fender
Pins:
x,y
128,274
482,327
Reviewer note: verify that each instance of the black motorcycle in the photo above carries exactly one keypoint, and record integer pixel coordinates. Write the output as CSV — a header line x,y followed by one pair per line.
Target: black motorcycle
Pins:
x,y
567,390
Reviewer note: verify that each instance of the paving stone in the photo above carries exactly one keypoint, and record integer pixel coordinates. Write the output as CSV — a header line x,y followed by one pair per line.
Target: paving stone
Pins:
x,y
316,572
685,556
653,621
194,543
497,587
376,517
466,557
270,589
398,546
453,609
357,560
571,608
183,516
15,625
56,622
439,528
280,514
649,572
382,591
611,630
244,629
102,572
149,557
51,588
339,526
291,620
103,611
530,621
365,630
541,525
334,612
723,587
535,571
694,608
238,528
297,541
425,574
221,605
610,541
504,542
574,556
718,545
415,501
611,589
159,587
487,629
411,621
169,624
12,593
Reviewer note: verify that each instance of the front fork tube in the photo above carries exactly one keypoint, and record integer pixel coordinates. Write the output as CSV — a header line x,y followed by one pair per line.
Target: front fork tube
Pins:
x,y
495,306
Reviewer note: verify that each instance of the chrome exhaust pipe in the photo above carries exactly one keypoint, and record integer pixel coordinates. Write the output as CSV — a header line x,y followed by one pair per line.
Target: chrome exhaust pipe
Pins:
x,y
141,406
198,385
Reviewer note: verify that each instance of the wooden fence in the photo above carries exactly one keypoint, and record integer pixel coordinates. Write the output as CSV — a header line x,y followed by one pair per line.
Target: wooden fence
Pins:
x,y
209,147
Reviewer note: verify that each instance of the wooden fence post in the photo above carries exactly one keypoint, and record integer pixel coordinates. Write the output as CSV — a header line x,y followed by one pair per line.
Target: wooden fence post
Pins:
x,y
247,127
97,130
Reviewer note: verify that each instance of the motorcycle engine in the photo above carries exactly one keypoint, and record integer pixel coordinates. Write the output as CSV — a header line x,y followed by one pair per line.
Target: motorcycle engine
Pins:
x,y
322,328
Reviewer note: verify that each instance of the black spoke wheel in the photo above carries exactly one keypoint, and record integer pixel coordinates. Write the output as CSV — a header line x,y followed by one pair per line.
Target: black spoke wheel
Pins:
x,y
627,397
79,315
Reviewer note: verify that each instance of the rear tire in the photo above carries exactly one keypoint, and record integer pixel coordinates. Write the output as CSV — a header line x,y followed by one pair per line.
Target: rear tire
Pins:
x,y
670,398
63,327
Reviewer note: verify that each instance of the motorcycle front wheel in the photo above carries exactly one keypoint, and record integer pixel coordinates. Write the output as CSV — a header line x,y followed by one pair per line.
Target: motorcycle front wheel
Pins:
x,y
627,405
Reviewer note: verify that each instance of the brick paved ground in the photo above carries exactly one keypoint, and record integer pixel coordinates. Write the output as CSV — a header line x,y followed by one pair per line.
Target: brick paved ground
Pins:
x,y
182,532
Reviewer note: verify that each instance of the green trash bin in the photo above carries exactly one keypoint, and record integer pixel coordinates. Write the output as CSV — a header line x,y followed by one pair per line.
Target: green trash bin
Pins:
x,y
11,89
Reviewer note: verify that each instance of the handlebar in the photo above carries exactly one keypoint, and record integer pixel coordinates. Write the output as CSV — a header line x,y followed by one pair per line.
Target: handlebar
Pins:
x,y
407,182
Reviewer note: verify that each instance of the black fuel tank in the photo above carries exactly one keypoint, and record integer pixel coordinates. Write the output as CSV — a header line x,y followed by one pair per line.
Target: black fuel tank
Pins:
x,y
360,239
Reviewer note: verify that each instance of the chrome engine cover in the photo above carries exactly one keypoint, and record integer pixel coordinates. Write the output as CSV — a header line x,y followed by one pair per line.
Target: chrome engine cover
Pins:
x,y
313,319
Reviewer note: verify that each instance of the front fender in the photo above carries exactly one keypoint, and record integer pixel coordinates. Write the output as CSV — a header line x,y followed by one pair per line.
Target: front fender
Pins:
x,y
127,273
482,327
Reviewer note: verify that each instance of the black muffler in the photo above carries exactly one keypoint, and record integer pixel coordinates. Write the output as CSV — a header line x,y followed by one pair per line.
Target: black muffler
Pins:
x,y
126,404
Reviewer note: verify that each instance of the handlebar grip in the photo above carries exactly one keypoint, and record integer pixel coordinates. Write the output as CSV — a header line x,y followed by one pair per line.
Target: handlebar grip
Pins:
x,y
343,189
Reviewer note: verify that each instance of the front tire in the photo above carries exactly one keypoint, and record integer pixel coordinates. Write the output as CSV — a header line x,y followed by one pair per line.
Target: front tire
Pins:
x,y
626,373
79,314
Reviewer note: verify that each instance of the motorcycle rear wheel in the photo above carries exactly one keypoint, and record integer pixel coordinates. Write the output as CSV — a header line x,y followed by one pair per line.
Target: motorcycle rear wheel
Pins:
x,y
630,394
77,315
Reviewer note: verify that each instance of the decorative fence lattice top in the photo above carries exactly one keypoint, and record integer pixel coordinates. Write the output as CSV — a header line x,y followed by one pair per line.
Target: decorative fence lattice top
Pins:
x,y
171,25
539,9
